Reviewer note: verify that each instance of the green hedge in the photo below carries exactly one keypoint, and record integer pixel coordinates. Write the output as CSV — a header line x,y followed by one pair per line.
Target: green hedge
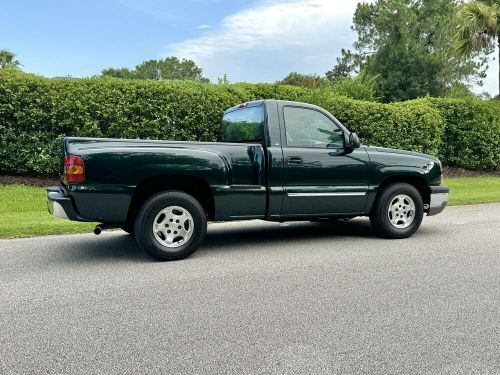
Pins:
x,y
36,111
471,137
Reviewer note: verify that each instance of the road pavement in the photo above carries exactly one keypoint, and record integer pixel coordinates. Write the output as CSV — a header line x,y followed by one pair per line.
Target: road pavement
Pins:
x,y
259,298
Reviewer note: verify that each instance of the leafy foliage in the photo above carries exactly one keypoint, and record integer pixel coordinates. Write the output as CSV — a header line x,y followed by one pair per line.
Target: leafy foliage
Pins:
x,y
224,80
167,69
471,138
309,81
479,28
347,64
35,112
8,60
124,73
361,87
407,44
460,91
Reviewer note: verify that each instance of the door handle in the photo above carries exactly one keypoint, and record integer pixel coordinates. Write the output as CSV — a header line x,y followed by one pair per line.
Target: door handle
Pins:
x,y
294,160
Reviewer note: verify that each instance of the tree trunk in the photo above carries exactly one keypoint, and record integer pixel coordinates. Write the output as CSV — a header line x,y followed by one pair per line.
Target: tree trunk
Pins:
x,y
498,38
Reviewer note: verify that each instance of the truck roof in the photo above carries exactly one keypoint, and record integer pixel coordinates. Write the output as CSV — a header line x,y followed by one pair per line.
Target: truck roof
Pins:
x,y
260,102
253,103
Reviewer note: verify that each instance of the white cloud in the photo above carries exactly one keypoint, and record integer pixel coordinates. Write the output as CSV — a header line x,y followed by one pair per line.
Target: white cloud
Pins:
x,y
268,41
203,26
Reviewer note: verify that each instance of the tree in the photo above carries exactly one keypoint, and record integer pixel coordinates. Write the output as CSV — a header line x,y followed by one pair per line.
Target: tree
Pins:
x,y
150,69
479,28
224,80
8,61
361,87
118,73
168,68
310,81
406,72
346,66
406,43
461,91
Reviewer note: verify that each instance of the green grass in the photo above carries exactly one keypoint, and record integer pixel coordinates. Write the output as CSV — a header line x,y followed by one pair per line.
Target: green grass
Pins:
x,y
23,209
23,213
473,190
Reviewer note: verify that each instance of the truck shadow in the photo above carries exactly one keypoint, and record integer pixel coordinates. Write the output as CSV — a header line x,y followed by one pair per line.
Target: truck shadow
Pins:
x,y
270,234
114,246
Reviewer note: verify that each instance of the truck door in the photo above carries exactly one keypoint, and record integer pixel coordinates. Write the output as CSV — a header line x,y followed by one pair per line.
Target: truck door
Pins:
x,y
319,177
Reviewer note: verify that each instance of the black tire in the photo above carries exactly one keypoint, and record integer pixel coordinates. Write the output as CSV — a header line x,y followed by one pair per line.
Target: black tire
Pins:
x,y
379,216
143,226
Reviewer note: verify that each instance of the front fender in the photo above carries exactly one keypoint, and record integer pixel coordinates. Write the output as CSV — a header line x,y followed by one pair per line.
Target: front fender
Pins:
x,y
409,169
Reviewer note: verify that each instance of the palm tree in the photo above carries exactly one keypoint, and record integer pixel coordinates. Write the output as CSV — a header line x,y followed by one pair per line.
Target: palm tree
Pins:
x,y
7,60
479,27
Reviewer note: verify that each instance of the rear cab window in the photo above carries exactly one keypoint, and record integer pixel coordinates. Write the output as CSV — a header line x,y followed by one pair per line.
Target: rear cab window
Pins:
x,y
244,123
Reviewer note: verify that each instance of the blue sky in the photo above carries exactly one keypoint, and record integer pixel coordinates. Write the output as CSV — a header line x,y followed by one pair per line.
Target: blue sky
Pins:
x,y
255,41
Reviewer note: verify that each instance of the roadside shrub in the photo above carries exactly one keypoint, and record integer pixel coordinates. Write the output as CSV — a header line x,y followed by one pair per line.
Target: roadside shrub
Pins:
x,y
361,87
471,138
35,112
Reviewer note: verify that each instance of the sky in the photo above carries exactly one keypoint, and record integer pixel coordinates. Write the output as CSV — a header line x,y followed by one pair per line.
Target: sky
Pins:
x,y
253,41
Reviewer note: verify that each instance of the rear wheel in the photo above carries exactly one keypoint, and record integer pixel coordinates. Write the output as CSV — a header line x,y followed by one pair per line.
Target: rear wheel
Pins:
x,y
398,211
170,225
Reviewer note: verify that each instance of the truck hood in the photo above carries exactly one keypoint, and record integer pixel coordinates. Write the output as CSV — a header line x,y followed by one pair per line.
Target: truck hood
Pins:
x,y
392,157
404,152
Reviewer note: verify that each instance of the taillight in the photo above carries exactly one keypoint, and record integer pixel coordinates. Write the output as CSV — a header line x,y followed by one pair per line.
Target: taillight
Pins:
x,y
74,169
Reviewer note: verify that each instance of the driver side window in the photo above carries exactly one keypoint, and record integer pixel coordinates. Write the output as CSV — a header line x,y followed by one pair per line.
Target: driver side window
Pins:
x,y
309,128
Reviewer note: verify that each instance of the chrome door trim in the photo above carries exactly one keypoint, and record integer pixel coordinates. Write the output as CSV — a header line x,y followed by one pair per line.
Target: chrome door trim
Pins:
x,y
339,194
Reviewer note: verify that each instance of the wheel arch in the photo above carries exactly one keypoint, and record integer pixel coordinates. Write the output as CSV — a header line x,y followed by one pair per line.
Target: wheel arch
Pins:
x,y
195,186
416,181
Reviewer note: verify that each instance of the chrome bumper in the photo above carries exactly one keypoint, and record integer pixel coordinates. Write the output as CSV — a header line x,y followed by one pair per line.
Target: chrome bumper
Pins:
x,y
60,205
439,199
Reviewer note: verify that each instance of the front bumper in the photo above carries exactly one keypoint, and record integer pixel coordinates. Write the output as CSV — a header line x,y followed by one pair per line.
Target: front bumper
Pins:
x,y
439,199
60,205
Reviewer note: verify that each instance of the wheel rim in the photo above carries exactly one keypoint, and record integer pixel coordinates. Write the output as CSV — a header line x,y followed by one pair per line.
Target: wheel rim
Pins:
x,y
401,211
173,226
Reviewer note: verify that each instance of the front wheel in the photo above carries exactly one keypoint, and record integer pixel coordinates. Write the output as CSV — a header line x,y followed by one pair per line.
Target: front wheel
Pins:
x,y
170,225
398,211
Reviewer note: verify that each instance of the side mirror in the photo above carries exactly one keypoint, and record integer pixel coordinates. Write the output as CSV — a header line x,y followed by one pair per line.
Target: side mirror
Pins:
x,y
353,141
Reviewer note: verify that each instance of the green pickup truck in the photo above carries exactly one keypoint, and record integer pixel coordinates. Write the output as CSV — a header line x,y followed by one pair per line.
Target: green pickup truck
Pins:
x,y
277,161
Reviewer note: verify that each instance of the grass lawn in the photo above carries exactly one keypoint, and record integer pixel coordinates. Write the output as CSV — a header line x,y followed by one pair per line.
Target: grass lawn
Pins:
x,y
23,209
472,190
23,213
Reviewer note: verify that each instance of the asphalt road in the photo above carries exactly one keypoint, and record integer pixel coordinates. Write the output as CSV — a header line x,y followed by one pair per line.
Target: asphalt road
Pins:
x,y
259,298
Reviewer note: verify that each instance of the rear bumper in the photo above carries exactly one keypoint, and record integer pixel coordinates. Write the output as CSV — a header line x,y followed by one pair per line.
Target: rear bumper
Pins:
x,y
439,199
59,205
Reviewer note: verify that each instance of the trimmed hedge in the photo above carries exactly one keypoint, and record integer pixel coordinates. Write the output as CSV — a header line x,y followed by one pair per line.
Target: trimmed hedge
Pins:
x,y
471,137
36,111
